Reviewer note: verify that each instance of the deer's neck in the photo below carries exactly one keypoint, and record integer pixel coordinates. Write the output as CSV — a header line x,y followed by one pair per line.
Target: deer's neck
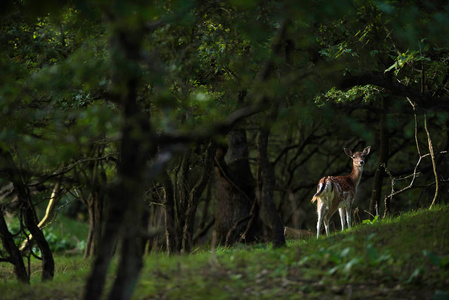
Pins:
x,y
356,175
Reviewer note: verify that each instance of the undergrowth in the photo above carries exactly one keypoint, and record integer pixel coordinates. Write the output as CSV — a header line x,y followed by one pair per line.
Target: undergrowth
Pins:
x,y
406,257
64,234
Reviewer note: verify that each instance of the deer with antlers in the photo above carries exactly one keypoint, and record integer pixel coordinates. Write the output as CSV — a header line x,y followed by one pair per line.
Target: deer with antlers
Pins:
x,y
339,192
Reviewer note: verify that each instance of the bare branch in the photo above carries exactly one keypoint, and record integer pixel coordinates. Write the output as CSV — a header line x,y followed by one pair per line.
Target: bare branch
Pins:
x,y
417,171
432,156
70,167
206,132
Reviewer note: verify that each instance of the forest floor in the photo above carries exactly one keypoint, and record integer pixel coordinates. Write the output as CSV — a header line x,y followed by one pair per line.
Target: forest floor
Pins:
x,y
406,257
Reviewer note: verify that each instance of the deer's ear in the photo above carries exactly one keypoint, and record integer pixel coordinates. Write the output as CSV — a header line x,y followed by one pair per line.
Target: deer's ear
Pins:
x,y
367,150
348,152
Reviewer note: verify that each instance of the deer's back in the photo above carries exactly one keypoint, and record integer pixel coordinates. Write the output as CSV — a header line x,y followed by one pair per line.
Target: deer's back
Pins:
x,y
338,192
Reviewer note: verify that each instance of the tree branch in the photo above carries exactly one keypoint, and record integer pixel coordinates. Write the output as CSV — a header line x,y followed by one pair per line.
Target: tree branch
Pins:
x,y
206,132
423,100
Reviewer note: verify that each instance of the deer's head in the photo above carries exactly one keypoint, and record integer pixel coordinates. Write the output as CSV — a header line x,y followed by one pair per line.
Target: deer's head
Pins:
x,y
358,158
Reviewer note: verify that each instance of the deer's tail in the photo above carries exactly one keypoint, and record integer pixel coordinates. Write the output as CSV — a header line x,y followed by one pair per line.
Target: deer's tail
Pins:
x,y
325,184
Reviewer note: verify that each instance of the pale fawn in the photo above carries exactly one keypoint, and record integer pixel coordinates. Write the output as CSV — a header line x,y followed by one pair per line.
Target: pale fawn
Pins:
x,y
338,192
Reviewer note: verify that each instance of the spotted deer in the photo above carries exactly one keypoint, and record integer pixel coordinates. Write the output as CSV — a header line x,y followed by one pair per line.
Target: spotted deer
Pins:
x,y
339,192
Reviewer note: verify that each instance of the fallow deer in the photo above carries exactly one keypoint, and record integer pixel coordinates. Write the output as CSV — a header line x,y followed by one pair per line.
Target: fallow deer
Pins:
x,y
339,192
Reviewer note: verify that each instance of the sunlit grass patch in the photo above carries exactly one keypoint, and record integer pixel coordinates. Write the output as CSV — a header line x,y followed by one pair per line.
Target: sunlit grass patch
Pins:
x,y
378,260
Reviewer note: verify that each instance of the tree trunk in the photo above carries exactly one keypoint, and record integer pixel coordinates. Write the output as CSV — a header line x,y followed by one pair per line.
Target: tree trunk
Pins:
x,y
94,205
237,211
15,257
125,197
170,215
182,197
48,264
383,161
125,200
194,198
49,213
267,191
23,194
131,239
114,218
96,182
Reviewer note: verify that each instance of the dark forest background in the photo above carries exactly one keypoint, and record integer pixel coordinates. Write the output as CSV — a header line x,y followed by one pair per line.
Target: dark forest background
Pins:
x,y
168,125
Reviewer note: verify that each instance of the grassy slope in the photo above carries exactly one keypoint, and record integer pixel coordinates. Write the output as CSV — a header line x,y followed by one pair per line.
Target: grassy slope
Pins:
x,y
401,258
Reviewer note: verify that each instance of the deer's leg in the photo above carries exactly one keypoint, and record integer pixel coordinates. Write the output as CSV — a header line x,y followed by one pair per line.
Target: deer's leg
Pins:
x,y
323,218
341,211
326,217
320,211
348,215
326,224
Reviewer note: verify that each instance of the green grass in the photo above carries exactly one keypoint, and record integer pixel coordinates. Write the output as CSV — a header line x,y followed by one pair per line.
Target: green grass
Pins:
x,y
68,282
398,258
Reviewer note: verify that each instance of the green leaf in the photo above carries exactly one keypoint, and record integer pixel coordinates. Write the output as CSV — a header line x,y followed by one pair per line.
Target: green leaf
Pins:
x,y
345,252
415,275
334,270
350,264
394,66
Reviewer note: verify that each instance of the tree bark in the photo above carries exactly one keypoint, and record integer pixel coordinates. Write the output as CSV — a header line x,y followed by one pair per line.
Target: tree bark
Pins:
x,y
125,197
194,197
94,205
48,264
49,213
235,192
267,191
15,256
182,196
125,200
23,195
383,161
170,214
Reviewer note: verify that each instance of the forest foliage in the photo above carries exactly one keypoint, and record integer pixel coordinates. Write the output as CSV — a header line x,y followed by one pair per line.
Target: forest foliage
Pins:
x,y
172,124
